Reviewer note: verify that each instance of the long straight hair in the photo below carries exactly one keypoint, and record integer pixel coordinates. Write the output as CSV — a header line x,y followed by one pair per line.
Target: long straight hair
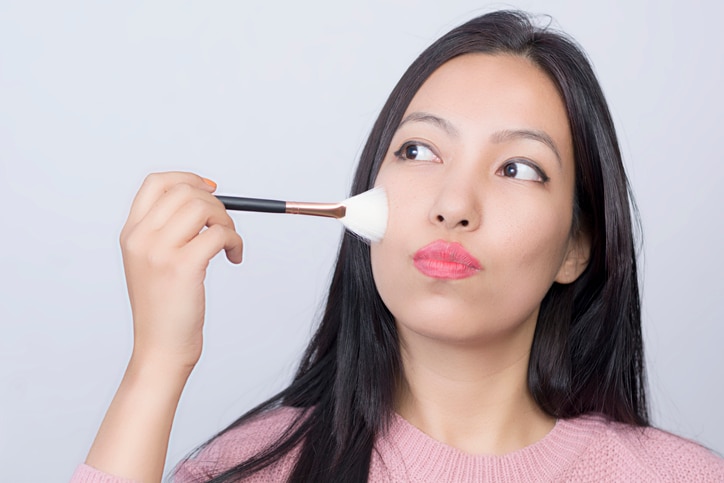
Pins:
x,y
587,351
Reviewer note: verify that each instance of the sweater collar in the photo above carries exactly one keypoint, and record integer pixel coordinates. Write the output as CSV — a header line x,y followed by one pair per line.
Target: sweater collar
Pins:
x,y
426,459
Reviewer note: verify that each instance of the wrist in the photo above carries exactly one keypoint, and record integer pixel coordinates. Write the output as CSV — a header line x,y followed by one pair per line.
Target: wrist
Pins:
x,y
133,438
158,369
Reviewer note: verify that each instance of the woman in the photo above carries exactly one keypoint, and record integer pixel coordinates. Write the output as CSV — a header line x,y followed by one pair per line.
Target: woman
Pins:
x,y
493,334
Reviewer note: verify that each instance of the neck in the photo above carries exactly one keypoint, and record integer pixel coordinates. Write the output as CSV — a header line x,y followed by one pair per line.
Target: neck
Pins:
x,y
472,397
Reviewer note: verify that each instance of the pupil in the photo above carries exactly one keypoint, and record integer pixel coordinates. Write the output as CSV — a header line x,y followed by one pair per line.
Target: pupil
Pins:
x,y
411,151
511,170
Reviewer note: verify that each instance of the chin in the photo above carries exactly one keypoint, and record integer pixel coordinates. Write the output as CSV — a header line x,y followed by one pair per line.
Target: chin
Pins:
x,y
461,329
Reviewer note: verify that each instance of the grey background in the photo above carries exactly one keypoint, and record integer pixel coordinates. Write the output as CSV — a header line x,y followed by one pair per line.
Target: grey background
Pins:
x,y
275,99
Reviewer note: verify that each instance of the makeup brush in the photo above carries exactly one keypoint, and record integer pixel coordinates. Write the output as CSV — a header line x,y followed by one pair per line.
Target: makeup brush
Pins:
x,y
364,214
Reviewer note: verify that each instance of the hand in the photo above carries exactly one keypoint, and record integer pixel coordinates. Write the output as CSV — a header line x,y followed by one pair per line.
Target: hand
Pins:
x,y
166,251
165,254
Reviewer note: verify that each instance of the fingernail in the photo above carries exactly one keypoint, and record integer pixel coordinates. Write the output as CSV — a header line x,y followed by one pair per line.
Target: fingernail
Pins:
x,y
209,182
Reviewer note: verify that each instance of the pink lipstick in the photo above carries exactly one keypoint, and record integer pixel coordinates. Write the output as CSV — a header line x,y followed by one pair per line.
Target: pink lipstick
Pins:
x,y
446,261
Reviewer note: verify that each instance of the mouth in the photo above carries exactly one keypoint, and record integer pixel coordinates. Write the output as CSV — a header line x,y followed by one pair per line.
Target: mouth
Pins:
x,y
446,261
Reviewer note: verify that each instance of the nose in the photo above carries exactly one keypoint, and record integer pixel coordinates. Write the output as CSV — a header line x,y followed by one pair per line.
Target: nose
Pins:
x,y
457,205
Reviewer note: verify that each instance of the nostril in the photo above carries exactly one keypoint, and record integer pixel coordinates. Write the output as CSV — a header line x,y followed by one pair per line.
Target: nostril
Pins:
x,y
440,218
464,222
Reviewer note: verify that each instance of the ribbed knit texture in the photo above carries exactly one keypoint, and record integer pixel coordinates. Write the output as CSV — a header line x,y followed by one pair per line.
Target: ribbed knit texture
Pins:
x,y
586,448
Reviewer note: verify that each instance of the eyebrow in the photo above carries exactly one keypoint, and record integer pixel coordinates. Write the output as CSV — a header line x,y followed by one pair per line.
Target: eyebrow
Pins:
x,y
428,118
534,134
497,137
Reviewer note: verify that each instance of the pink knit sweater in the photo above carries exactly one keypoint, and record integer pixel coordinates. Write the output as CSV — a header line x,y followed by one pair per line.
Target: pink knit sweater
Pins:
x,y
582,449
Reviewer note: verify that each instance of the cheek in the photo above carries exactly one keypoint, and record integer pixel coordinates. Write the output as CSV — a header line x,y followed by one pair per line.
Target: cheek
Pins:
x,y
388,261
390,256
535,243
406,197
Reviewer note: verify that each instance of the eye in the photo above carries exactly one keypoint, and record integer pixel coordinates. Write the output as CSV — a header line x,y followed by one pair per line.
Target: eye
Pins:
x,y
523,170
413,150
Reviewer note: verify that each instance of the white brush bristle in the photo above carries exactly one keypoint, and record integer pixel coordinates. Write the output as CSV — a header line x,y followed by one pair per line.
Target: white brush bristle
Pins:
x,y
366,214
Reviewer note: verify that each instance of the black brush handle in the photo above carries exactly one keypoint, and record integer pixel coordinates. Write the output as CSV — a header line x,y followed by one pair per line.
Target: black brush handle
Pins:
x,y
253,204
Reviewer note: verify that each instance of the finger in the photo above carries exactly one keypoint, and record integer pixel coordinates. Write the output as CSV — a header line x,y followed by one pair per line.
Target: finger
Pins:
x,y
156,184
210,242
184,197
190,218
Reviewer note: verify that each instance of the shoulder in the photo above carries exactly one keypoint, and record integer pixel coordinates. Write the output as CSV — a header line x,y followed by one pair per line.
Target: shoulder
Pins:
x,y
241,443
621,451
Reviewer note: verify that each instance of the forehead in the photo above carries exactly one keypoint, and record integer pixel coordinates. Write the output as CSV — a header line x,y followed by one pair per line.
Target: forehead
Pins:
x,y
483,93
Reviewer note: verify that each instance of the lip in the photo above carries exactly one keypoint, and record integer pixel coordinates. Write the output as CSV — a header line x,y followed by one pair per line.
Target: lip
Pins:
x,y
446,261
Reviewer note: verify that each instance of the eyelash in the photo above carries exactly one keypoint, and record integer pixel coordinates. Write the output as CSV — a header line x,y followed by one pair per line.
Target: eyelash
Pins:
x,y
543,177
400,154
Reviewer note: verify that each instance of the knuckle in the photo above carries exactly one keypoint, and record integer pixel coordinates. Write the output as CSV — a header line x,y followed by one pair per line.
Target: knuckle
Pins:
x,y
215,232
218,204
230,223
183,188
223,237
123,236
232,239
236,238
152,179
132,244
197,207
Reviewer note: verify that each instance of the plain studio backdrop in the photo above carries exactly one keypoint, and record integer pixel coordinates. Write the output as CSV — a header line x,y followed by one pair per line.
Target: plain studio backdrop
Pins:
x,y
275,99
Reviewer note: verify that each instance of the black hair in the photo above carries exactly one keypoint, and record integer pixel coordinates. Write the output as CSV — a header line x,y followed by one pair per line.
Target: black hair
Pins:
x,y
587,353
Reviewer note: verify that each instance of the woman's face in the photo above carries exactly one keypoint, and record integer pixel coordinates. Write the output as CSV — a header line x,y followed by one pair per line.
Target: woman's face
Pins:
x,y
480,179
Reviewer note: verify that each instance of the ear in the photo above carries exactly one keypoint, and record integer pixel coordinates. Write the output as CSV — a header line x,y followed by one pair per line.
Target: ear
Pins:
x,y
576,261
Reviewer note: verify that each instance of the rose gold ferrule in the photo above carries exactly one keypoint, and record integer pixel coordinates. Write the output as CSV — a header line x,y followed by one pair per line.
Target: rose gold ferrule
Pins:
x,y
331,210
